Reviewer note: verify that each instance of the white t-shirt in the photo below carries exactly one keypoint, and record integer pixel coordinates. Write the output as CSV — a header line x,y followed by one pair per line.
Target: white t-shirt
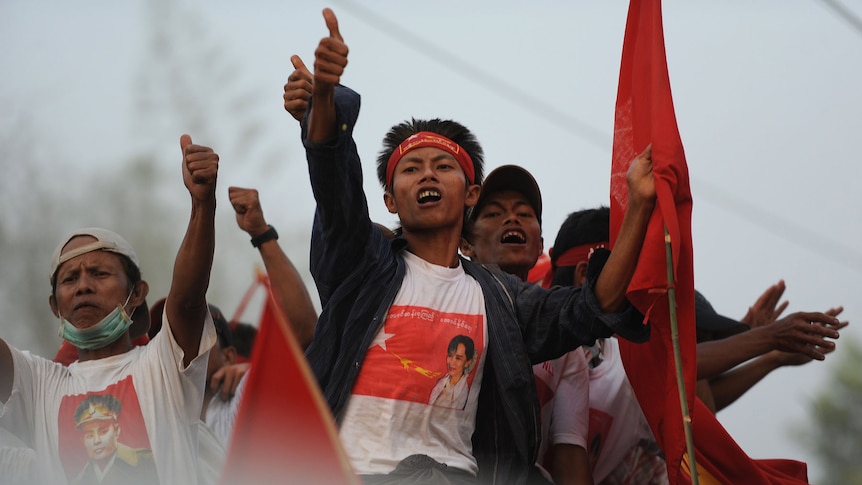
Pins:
x,y
221,414
563,387
159,405
617,423
408,399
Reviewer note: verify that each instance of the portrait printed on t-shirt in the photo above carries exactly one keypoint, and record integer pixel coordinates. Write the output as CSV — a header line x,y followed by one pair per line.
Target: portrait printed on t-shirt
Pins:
x,y
425,356
103,439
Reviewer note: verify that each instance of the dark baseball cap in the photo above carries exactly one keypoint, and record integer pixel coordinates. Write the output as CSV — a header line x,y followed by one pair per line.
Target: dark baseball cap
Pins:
x,y
511,177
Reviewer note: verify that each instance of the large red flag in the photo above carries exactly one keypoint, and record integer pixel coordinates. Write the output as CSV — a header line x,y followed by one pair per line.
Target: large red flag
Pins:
x,y
284,431
644,114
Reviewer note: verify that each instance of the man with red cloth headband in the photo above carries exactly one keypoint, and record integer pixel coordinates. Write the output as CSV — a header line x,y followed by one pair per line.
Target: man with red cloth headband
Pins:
x,y
391,306
621,442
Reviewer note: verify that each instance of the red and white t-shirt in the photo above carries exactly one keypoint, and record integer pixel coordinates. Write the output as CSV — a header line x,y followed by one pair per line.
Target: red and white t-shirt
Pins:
x,y
563,387
618,428
413,395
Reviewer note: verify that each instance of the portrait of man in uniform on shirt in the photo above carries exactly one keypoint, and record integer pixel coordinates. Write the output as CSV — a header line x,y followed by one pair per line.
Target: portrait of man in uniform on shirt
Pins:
x,y
97,419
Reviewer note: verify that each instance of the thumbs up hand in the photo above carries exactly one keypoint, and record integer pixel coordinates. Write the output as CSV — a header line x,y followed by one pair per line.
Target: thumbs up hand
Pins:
x,y
200,169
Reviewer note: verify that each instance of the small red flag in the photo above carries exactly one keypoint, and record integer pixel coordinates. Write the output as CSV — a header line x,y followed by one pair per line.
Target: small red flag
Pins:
x,y
284,431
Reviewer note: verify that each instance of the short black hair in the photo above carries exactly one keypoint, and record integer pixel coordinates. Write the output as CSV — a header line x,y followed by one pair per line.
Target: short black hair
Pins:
x,y
243,338
586,226
222,328
450,129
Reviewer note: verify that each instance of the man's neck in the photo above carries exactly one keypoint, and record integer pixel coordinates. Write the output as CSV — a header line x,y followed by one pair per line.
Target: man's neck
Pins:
x,y
102,466
120,346
438,246
518,271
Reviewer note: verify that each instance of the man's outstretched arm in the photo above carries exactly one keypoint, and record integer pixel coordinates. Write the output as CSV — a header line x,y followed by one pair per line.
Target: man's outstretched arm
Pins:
x,y
330,59
186,305
287,285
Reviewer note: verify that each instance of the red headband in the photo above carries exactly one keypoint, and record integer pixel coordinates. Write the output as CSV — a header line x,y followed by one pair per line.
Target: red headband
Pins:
x,y
571,257
429,139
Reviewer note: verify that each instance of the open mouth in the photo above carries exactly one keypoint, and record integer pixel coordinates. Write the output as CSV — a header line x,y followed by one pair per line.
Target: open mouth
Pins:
x,y
426,196
513,237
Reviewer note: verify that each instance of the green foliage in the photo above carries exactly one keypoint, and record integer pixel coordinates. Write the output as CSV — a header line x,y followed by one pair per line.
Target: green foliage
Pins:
x,y
835,431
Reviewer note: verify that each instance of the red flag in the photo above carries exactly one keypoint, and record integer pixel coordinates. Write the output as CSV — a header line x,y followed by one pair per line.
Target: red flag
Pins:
x,y
644,114
722,458
284,431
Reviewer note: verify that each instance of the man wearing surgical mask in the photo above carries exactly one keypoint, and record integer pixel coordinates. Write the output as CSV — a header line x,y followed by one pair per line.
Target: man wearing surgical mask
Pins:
x,y
96,284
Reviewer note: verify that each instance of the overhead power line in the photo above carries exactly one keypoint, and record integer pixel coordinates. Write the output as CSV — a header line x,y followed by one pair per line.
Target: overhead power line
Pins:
x,y
488,81
845,13
777,226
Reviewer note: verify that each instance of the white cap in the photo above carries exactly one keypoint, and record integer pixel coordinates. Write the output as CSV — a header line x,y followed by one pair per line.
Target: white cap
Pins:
x,y
105,241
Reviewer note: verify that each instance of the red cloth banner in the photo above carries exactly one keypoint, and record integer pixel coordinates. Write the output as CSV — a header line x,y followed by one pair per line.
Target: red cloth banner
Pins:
x,y
645,115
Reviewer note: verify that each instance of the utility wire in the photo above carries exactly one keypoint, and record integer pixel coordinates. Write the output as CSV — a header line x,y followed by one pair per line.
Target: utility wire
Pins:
x,y
488,81
777,226
845,13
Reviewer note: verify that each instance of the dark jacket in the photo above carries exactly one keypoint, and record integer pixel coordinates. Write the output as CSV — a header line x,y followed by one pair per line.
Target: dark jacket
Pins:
x,y
358,273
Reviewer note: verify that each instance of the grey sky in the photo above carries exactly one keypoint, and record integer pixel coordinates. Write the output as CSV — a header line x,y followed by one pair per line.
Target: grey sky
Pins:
x,y
766,94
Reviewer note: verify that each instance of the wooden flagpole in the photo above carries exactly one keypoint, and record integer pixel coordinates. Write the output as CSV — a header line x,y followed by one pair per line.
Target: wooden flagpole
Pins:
x,y
677,359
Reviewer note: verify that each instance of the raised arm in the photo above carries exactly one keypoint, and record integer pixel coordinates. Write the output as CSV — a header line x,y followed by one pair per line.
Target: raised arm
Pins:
x,y
330,59
288,285
186,305
610,288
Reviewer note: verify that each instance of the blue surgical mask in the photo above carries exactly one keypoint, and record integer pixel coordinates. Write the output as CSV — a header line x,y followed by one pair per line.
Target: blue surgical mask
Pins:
x,y
102,334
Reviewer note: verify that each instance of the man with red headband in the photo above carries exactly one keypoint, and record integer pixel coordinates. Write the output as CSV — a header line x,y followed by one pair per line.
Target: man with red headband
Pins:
x,y
621,444
392,306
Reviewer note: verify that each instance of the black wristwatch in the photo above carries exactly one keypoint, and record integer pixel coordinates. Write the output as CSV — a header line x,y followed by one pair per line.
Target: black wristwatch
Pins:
x,y
269,235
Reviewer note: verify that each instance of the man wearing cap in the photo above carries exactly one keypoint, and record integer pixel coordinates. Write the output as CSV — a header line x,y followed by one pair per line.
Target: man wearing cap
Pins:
x,y
390,307
505,229
111,462
96,283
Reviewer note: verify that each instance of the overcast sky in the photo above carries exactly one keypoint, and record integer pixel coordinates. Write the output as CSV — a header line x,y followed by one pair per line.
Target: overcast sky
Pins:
x,y
767,97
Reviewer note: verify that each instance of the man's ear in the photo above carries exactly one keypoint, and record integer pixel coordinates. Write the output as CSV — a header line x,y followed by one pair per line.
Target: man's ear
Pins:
x,y
139,294
52,302
389,200
466,248
230,355
581,273
472,195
